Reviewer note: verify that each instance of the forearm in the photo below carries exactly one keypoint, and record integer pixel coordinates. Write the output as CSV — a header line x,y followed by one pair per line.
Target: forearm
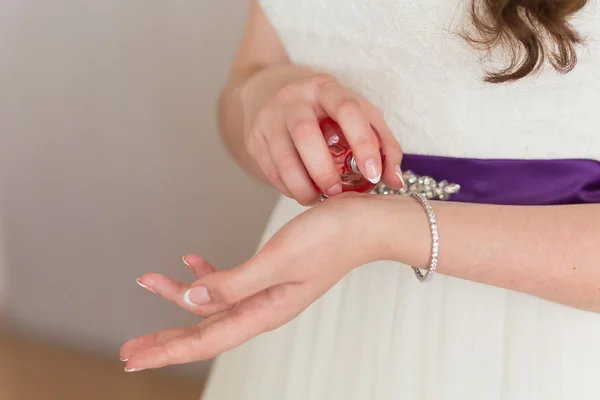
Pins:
x,y
549,252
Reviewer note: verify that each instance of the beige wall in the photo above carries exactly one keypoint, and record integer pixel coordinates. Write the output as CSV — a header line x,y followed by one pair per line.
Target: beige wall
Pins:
x,y
110,164
3,273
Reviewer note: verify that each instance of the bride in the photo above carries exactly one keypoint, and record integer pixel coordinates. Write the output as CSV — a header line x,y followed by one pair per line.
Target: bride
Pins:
x,y
495,99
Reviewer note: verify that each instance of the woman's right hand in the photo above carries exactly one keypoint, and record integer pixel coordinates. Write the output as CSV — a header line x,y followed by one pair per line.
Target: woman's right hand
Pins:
x,y
282,109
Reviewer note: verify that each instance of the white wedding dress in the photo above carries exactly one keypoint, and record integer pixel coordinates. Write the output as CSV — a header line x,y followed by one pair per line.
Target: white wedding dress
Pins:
x,y
380,334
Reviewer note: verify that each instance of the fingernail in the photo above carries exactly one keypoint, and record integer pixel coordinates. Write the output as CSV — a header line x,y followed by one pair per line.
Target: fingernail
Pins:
x,y
335,189
124,359
144,286
197,296
373,172
133,369
399,175
185,262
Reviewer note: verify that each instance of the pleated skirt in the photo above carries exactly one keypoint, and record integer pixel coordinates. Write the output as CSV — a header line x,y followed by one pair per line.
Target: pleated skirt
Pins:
x,y
379,334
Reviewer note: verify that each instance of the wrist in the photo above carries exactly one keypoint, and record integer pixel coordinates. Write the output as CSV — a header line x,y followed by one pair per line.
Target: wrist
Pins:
x,y
401,230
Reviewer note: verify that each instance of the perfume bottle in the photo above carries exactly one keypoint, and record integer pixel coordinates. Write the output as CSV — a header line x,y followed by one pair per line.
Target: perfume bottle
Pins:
x,y
352,179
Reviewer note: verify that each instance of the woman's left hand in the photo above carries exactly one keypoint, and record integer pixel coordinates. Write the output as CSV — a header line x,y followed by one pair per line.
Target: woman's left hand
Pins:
x,y
301,262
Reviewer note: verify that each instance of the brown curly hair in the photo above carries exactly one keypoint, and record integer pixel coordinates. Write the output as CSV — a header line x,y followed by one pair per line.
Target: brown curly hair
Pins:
x,y
531,31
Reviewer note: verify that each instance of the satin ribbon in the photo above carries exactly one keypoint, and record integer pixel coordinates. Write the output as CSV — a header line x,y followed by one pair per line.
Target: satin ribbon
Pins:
x,y
513,182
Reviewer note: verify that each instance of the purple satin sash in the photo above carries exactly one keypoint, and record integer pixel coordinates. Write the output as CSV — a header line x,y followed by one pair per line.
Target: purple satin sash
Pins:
x,y
513,182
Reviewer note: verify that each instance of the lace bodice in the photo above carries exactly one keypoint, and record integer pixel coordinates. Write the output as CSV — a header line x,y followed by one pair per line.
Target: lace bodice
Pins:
x,y
428,81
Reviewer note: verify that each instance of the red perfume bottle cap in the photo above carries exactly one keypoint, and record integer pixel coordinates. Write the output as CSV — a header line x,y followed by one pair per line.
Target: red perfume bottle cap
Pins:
x,y
352,179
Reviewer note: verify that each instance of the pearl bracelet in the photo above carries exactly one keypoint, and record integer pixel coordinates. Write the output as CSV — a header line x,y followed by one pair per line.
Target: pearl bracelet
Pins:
x,y
435,237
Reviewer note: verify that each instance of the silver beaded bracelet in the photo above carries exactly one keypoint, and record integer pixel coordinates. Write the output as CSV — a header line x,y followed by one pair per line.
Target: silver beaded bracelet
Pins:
x,y
435,238
423,189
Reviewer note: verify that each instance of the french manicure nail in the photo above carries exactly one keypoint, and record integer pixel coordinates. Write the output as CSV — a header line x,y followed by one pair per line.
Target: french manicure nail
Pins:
x,y
144,286
372,170
185,262
335,189
124,359
399,175
133,369
197,296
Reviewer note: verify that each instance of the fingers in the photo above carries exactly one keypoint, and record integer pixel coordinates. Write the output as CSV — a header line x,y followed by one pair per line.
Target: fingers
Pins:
x,y
288,144
174,291
293,152
345,108
231,286
142,343
257,147
202,343
303,125
392,174
154,339
286,159
256,315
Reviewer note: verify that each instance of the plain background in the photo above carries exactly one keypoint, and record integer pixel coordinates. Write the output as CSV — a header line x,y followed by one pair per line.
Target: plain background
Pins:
x,y
110,162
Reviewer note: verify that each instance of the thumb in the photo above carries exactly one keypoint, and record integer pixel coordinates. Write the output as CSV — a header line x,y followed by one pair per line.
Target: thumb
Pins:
x,y
232,286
